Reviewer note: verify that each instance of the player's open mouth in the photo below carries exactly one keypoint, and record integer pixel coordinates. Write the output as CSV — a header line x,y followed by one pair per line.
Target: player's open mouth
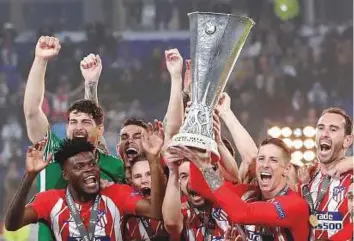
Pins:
x,y
194,194
325,147
146,192
266,177
131,152
80,134
91,181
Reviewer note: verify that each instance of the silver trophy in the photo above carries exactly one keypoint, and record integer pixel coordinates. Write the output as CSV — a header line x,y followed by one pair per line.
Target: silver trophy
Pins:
x,y
216,41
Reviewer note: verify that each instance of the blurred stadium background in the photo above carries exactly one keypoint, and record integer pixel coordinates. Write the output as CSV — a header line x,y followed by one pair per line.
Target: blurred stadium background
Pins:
x,y
298,61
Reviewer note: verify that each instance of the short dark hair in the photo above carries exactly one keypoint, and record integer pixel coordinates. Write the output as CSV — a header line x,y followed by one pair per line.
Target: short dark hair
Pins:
x,y
228,145
89,107
71,147
138,158
348,127
279,143
136,122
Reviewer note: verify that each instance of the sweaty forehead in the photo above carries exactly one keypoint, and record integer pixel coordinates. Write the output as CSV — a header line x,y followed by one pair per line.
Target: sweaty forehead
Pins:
x,y
331,119
131,130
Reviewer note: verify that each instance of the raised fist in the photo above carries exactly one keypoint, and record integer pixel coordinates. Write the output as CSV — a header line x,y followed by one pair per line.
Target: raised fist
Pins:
x,y
91,68
174,62
47,47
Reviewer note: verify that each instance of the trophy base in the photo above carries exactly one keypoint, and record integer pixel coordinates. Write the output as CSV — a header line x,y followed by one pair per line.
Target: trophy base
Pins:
x,y
196,141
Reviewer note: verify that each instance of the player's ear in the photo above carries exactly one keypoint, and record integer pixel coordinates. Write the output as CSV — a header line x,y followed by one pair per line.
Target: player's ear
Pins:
x,y
287,170
100,130
65,175
348,141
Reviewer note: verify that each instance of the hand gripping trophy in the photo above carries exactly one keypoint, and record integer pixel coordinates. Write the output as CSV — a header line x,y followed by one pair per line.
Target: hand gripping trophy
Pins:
x,y
216,41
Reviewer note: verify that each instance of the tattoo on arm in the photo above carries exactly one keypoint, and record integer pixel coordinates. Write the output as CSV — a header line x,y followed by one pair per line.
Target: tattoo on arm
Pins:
x,y
212,177
91,91
16,209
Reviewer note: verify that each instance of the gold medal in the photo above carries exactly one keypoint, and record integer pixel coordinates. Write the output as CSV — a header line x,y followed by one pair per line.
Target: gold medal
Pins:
x,y
313,220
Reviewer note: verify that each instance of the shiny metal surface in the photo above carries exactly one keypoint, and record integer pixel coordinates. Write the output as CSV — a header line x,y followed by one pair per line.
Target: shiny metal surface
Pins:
x,y
216,42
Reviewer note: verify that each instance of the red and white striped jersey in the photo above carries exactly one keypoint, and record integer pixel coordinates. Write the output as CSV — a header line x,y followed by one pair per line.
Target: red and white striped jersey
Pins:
x,y
116,200
144,229
333,213
195,227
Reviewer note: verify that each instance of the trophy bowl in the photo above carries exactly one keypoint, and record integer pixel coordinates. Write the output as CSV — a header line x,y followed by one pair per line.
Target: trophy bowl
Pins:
x,y
216,41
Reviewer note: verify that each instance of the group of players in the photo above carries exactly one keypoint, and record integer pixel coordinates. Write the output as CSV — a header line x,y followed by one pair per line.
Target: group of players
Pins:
x,y
175,193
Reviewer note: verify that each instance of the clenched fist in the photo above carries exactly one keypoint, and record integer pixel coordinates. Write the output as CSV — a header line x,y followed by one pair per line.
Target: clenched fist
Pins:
x,y
174,63
47,48
91,68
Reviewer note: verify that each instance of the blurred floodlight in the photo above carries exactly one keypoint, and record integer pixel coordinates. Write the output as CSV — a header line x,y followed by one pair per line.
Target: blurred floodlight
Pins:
x,y
309,131
275,132
286,131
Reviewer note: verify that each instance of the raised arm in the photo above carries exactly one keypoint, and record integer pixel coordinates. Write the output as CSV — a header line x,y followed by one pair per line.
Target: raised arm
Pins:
x,y
227,163
91,68
284,212
36,122
174,115
152,142
18,214
171,207
242,139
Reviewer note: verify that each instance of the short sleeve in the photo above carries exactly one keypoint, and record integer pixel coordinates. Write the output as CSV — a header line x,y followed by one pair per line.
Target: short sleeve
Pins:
x,y
42,204
124,197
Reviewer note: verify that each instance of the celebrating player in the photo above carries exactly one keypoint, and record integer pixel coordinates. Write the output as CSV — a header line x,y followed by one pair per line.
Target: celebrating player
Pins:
x,y
81,211
85,119
281,215
141,228
325,195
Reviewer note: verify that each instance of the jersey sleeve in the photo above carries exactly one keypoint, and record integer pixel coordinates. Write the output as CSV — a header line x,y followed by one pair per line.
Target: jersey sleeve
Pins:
x,y
199,185
124,197
284,211
42,203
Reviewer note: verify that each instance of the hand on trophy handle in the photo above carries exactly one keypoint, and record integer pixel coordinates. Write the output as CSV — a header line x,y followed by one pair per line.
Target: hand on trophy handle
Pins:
x,y
172,159
224,104
199,158
174,63
187,109
217,127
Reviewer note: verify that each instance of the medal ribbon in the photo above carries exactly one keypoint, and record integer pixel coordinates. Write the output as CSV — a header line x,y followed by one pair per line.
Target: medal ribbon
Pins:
x,y
323,190
86,236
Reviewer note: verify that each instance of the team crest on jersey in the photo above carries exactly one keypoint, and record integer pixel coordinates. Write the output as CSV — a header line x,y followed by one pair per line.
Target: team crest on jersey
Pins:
x,y
219,214
338,193
101,219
